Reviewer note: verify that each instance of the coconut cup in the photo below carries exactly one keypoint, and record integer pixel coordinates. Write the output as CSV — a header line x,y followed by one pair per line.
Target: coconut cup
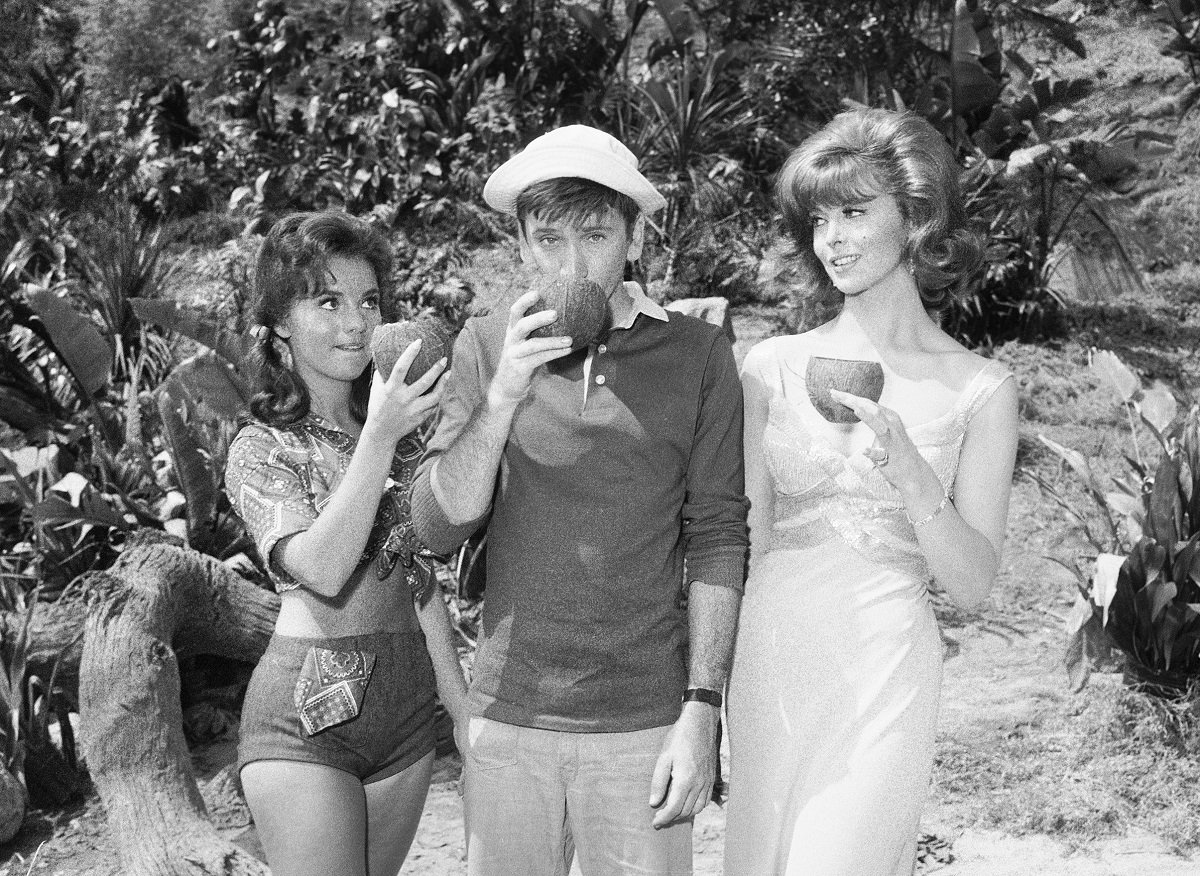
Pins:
x,y
855,376
391,339
582,309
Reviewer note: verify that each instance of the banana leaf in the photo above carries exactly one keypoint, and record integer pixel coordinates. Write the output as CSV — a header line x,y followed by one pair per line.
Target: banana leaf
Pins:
x,y
77,341
193,323
91,511
1147,620
20,413
208,387
1164,519
193,467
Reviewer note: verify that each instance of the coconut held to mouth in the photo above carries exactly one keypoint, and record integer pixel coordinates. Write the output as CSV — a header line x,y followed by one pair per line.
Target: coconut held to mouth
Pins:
x,y
582,309
855,376
391,339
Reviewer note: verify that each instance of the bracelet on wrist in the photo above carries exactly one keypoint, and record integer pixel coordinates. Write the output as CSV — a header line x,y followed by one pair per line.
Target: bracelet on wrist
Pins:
x,y
703,695
928,518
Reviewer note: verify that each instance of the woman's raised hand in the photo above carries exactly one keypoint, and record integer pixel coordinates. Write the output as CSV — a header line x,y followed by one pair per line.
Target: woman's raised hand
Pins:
x,y
893,453
396,408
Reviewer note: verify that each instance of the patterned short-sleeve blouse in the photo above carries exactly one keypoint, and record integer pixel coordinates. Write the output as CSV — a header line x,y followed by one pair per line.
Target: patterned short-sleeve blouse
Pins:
x,y
280,480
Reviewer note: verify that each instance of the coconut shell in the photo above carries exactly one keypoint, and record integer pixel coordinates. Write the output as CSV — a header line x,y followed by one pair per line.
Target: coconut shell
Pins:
x,y
855,376
391,339
582,309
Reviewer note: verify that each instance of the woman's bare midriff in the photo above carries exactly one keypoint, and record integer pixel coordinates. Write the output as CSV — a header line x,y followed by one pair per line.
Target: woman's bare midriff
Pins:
x,y
365,605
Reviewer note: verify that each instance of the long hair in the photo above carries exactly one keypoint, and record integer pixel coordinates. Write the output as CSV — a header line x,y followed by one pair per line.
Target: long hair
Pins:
x,y
293,264
861,154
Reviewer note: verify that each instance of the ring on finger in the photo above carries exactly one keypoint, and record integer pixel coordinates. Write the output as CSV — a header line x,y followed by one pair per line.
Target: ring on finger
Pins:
x,y
882,459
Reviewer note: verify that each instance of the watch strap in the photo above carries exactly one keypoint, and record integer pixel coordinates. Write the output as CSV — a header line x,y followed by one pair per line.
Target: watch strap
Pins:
x,y
703,695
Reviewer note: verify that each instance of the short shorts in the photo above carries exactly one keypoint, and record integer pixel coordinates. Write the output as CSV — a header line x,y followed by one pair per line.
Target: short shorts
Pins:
x,y
394,726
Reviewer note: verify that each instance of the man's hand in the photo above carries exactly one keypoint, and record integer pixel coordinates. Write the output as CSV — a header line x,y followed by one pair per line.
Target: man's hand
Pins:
x,y
684,773
522,355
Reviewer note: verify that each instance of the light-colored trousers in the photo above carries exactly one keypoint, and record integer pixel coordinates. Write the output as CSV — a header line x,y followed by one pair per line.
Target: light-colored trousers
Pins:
x,y
535,798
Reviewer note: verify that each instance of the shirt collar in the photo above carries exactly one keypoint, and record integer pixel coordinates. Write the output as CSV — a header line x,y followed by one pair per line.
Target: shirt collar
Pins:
x,y
642,303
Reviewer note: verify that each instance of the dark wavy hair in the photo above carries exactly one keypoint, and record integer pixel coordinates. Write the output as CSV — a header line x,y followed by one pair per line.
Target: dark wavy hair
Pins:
x,y
861,154
293,264
574,199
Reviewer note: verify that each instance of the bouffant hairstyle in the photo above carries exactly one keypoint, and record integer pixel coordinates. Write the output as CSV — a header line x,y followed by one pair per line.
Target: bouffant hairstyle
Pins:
x,y
293,264
861,154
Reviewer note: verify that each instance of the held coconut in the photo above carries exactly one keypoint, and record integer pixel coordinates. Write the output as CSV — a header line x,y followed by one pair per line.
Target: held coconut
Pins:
x,y
855,376
391,339
582,309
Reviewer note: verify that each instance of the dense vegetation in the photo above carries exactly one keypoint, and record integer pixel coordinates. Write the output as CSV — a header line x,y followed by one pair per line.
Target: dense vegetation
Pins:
x,y
139,135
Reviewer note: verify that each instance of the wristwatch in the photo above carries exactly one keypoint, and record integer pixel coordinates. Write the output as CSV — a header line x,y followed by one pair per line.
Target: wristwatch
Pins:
x,y
703,695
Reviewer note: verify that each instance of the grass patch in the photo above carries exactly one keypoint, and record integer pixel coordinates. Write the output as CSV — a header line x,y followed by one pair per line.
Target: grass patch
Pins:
x,y
1113,760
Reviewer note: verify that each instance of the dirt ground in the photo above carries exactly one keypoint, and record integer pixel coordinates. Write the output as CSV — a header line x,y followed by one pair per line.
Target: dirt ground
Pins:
x,y
997,677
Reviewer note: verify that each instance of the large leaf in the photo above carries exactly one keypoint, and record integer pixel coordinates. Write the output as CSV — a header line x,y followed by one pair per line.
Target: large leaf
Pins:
x,y
1061,30
678,19
974,88
1129,625
592,22
1115,374
207,386
193,466
19,488
1158,408
91,511
77,341
1104,581
1078,463
1166,511
1082,624
199,403
193,323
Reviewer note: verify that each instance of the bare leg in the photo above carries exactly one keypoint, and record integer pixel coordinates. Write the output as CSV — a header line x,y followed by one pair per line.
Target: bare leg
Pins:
x,y
312,819
394,806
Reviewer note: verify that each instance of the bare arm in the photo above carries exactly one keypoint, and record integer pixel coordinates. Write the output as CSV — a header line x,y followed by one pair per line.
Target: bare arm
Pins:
x,y
324,556
715,550
439,639
464,477
684,775
963,541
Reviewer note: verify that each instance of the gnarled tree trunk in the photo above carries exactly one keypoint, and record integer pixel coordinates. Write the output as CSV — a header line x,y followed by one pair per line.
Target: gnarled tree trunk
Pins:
x,y
157,601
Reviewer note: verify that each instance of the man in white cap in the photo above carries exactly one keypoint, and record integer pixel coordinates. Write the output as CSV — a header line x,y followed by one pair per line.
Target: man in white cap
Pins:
x,y
611,486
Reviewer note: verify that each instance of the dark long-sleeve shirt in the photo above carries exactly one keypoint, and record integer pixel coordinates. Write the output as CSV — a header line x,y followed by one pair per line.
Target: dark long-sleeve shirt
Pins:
x,y
601,499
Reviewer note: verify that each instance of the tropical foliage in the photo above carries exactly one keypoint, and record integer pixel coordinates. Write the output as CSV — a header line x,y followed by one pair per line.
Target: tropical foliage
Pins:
x,y
1142,595
119,159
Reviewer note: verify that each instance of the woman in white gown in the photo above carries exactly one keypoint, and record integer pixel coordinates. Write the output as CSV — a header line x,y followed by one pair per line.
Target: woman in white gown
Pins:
x,y
834,694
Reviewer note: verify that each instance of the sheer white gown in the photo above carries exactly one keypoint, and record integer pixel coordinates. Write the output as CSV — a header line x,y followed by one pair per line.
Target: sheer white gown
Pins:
x,y
834,693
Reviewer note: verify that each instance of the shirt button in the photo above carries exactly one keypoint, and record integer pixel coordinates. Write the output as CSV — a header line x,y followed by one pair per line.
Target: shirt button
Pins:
x,y
600,380
603,348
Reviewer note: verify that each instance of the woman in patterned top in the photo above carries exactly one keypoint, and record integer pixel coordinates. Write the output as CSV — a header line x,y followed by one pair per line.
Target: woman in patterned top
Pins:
x,y
337,740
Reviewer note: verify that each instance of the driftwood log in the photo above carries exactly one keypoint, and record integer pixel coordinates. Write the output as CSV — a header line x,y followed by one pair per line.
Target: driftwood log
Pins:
x,y
158,601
